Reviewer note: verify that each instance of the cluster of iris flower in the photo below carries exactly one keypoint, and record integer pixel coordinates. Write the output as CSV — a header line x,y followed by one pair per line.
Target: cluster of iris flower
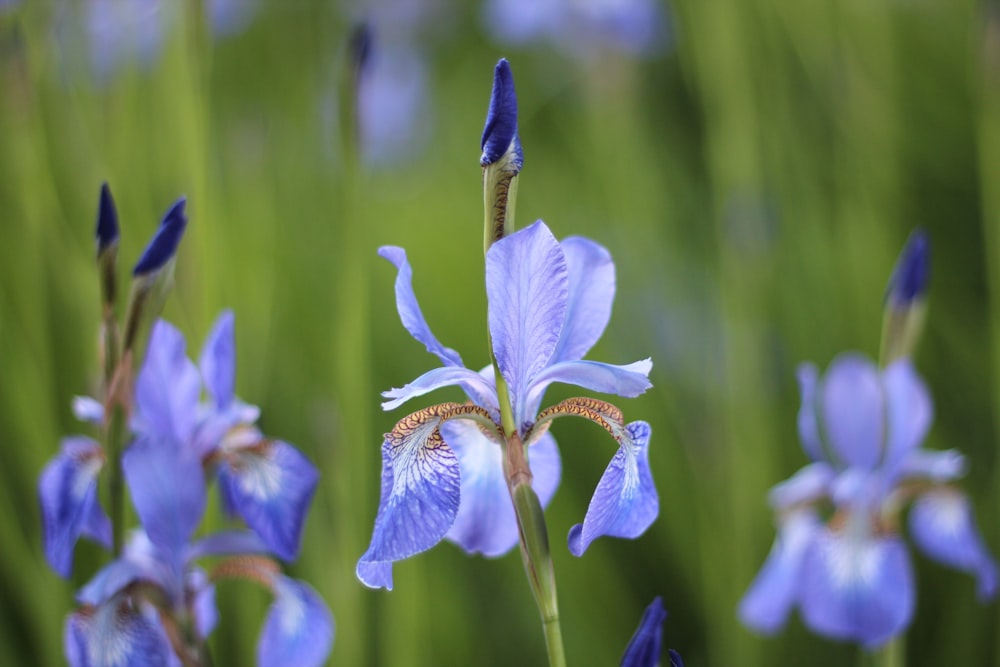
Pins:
x,y
839,555
153,604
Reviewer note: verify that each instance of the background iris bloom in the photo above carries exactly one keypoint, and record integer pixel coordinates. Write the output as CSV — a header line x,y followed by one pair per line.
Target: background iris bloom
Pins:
x,y
548,304
851,574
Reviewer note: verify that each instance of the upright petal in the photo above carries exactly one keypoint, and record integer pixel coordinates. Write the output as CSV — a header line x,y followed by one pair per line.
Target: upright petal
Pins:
x,y
168,490
807,419
591,283
527,288
298,629
409,310
629,380
644,648
909,411
419,496
854,410
774,591
168,386
67,493
625,502
114,634
218,361
270,484
942,525
486,522
857,585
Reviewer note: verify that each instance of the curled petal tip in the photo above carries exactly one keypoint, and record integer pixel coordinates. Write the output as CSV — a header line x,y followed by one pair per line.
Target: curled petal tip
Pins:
x,y
107,220
500,131
912,272
164,244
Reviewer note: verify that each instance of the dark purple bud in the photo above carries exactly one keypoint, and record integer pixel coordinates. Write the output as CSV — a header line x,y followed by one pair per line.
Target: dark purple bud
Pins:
x,y
644,648
165,242
912,272
360,46
501,119
107,221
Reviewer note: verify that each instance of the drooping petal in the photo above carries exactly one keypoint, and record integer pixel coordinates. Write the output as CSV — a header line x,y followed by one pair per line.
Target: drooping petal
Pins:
x,y
270,485
942,525
857,585
298,629
167,486
625,502
419,497
629,380
591,283
909,411
807,419
409,309
168,386
854,410
473,383
644,648
218,361
809,484
774,591
527,287
67,493
486,522
114,634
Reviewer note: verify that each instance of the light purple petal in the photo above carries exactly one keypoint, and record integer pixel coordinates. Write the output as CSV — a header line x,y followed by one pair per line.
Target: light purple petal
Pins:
x,y
112,578
909,411
932,465
114,634
87,409
168,386
218,361
942,525
409,309
473,383
808,421
625,502
201,591
857,585
808,485
854,410
228,543
67,493
774,591
591,283
629,380
527,286
270,485
298,629
486,522
168,490
419,497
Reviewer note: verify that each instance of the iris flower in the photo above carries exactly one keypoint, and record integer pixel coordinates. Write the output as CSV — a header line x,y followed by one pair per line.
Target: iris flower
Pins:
x,y
850,574
442,470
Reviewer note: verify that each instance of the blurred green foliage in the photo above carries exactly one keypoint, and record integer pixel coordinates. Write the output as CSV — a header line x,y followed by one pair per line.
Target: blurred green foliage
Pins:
x,y
754,184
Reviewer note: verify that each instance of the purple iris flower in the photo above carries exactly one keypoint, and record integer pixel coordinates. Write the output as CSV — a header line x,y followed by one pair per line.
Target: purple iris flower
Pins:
x,y
851,574
442,473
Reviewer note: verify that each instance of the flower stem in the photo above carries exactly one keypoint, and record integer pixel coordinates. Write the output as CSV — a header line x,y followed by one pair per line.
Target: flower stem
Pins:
x,y
892,654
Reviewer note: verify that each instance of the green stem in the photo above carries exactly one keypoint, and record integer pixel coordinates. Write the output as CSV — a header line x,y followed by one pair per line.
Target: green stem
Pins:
x,y
892,654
